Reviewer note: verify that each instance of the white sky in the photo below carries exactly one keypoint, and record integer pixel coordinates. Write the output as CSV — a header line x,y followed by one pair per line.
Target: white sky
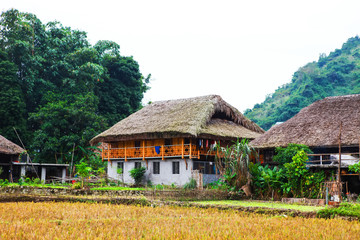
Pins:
x,y
240,50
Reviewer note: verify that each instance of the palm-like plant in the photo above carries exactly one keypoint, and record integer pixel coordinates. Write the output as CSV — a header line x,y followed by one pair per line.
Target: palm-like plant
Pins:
x,y
233,162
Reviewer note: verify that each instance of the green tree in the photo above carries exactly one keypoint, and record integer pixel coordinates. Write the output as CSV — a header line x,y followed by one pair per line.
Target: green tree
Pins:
x,y
12,104
137,174
62,122
64,90
123,88
300,181
285,155
84,171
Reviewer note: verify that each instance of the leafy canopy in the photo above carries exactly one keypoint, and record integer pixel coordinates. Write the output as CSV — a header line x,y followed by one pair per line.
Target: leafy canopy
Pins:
x,y
57,89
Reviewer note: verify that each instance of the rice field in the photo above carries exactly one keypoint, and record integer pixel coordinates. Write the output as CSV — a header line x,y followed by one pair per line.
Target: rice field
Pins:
x,y
28,220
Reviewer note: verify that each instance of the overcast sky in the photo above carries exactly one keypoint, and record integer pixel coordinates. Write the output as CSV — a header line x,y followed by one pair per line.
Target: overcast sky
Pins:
x,y
240,50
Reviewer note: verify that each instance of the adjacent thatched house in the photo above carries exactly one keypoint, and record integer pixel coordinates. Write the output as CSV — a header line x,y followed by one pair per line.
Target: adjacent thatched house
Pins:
x,y
9,152
172,138
12,168
318,126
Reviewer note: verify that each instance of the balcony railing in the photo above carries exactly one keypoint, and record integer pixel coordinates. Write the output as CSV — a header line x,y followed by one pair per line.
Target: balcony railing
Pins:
x,y
161,151
330,159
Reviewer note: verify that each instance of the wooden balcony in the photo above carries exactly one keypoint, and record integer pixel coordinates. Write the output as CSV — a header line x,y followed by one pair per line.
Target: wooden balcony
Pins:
x,y
331,160
162,151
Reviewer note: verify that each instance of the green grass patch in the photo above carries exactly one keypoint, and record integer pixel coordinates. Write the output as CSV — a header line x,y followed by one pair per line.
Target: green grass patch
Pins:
x,y
345,210
277,205
17,185
116,189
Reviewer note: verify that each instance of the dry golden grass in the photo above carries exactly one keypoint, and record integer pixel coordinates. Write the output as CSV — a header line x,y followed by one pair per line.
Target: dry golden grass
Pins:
x,y
105,221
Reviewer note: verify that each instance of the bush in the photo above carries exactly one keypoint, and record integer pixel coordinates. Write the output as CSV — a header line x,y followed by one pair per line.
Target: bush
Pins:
x,y
345,209
20,181
268,182
76,185
137,174
159,187
285,155
355,168
4,182
37,181
191,184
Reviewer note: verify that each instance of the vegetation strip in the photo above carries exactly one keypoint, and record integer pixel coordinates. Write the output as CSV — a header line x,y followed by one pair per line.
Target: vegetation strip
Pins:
x,y
154,203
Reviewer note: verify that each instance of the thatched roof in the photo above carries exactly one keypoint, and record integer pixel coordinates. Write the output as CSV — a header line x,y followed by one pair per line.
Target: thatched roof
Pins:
x,y
318,125
208,116
8,147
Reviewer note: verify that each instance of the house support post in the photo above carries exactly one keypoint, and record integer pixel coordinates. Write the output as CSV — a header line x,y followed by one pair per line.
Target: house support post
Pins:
x,y
108,149
10,173
182,148
102,152
63,175
339,169
22,172
144,151
125,154
162,152
190,151
43,174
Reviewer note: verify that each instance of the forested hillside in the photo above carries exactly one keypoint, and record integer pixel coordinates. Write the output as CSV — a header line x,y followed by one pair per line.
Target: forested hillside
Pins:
x,y
57,90
333,75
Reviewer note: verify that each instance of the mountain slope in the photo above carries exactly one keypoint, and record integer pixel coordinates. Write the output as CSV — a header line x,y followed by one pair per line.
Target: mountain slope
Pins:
x,y
333,75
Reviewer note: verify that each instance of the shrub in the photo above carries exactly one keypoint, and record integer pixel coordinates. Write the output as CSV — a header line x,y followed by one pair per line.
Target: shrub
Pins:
x,y
149,184
37,181
191,184
76,185
285,155
137,174
159,187
4,182
267,181
355,168
21,181
345,209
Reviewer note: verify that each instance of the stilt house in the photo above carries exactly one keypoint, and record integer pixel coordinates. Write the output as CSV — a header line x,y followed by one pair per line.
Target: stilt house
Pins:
x,y
330,127
172,138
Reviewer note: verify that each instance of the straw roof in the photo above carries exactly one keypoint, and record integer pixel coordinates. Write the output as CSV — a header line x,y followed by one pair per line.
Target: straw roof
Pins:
x,y
8,147
318,125
207,116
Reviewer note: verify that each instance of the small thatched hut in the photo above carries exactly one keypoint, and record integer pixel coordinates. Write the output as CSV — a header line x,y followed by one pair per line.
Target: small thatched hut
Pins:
x,y
12,168
9,152
173,137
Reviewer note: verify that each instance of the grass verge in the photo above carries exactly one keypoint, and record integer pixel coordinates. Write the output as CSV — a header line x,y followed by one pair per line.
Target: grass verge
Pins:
x,y
116,189
274,205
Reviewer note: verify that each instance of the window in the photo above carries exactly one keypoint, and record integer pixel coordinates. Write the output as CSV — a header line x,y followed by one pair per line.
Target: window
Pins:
x,y
156,167
186,141
205,167
137,164
120,167
176,167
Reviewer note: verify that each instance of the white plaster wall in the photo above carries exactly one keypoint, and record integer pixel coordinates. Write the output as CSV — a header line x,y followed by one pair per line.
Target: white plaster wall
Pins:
x,y
125,177
165,177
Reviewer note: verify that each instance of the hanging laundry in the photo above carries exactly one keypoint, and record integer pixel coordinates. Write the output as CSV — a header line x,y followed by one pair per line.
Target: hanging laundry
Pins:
x,y
157,149
207,143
